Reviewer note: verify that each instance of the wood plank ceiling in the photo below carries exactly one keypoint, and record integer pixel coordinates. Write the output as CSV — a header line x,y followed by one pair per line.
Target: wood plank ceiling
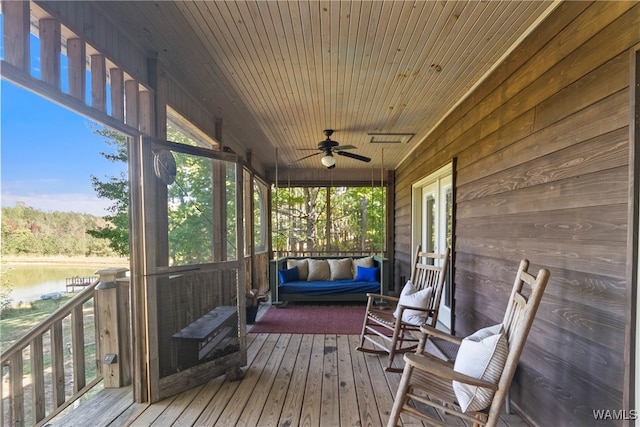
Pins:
x,y
279,72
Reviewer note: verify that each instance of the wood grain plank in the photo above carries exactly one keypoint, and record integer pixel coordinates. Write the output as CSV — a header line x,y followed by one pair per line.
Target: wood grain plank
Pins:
x,y
593,258
198,404
16,33
153,412
606,151
77,344
38,401
77,64
330,408
98,82
603,188
571,319
607,115
173,411
258,393
295,394
277,395
218,409
310,413
347,397
117,93
595,223
57,364
368,409
50,48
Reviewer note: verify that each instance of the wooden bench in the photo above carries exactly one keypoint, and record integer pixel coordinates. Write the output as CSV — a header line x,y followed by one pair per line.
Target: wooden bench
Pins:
x,y
209,337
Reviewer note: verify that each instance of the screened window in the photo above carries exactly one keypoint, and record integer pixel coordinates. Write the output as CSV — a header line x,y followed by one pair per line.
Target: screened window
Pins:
x,y
194,223
329,219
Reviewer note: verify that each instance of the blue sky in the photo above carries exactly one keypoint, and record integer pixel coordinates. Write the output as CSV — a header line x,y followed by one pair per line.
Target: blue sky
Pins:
x,y
48,153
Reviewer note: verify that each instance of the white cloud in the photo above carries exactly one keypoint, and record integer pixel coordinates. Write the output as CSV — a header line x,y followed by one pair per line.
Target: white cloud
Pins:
x,y
62,202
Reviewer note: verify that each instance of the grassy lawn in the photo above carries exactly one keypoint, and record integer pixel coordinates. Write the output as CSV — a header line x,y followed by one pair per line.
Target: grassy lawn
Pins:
x,y
15,322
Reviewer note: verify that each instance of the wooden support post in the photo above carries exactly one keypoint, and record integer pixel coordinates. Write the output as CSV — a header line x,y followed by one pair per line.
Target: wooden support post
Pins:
x,y
112,310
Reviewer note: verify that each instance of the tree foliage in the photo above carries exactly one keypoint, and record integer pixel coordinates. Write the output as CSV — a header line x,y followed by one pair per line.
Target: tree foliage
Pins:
x,y
189,203
29,231
332,219
115,189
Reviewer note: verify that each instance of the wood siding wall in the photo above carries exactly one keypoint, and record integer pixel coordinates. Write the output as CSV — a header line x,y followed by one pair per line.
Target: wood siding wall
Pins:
x,y
542,150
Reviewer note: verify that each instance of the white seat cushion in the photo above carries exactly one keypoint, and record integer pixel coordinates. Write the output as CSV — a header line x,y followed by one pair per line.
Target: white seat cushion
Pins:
x,y
303,267
481,355
362,262
341,268
410,296
318,270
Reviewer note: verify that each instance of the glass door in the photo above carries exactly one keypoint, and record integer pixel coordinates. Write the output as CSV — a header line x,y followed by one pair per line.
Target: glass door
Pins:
x,y
432,225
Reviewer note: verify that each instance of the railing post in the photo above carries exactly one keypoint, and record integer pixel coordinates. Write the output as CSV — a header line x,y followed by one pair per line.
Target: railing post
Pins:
x,y
112,312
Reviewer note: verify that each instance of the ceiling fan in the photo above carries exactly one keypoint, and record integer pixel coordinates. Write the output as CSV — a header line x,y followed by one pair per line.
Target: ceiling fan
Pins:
x,y
329,146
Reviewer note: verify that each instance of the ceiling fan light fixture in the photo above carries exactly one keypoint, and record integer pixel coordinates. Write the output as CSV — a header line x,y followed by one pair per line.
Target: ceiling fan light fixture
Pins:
x,y
328,160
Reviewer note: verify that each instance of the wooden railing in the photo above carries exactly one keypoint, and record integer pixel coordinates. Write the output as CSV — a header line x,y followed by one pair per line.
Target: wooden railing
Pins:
x,y
53,365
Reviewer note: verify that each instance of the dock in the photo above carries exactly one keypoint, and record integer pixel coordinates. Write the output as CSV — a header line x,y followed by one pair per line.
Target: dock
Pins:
x,y
79,282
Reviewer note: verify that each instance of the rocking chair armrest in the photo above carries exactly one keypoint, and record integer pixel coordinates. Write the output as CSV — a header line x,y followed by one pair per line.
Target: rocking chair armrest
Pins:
x,y
411,307
384,297
443,370
436,333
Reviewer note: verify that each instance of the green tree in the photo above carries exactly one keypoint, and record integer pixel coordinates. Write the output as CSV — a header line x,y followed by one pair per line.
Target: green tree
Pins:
x,y
29,231
190,208
355,218
116,189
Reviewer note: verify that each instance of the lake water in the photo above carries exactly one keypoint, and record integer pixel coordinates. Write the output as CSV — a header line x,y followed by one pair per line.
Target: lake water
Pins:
x,y
30,282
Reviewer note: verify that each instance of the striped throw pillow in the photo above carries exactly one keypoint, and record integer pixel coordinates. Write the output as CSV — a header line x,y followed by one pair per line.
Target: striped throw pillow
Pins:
x,y
481,355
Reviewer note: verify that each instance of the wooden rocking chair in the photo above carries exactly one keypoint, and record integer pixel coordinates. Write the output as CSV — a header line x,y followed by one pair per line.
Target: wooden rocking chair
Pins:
x,y
430,386
395,328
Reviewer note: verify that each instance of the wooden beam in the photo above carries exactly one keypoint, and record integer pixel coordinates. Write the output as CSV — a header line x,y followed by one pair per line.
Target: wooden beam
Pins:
x,y
77,57
117,93
145,112
132,100
98,83
50,46
157,80
22,79
16,33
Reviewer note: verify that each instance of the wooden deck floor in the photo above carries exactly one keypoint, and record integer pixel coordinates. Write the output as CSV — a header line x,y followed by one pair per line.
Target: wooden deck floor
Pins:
x,y
291,380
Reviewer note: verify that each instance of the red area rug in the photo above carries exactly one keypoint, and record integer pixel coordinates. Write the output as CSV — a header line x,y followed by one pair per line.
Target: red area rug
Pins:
x,y
311,319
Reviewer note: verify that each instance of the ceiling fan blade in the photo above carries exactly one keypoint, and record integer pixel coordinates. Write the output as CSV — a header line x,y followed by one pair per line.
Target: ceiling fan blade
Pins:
x,y
354,156
344,147
310,155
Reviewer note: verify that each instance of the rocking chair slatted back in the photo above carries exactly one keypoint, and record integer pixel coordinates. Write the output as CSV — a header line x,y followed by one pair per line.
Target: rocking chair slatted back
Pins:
x,y
518,318
426,274
388,333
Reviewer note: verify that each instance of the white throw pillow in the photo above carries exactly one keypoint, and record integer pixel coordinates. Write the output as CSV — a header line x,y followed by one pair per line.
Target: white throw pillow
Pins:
x,y
318,270
410,296
303,267
481,355
362,262
341,268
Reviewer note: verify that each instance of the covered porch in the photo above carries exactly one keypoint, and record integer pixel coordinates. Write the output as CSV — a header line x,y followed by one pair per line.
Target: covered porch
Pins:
x,y
290,379
522,118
